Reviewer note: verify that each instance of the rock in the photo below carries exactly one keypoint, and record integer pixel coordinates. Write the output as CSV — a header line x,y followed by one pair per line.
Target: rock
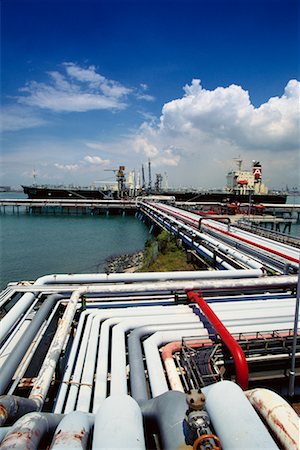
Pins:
x,y
124,263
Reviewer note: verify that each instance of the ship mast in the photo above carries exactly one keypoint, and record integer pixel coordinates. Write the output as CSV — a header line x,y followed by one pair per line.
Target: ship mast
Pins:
x,y
239,162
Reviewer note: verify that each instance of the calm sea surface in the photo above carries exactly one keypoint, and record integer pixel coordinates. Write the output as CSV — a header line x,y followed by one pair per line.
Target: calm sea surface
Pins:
x,y
32,246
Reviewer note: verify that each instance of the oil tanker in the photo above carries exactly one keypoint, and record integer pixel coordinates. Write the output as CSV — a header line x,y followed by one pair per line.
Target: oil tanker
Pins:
x,y
243,186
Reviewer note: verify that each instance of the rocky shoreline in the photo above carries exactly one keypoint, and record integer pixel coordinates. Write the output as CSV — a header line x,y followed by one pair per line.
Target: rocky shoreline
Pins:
x,y
129,262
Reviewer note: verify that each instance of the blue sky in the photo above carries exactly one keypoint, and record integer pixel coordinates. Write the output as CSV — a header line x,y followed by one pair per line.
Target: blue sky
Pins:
x,y
190,84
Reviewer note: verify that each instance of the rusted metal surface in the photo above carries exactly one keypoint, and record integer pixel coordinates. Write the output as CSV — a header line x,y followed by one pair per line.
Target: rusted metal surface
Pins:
x,y
72,432
44,378
279,416
3,414
71,440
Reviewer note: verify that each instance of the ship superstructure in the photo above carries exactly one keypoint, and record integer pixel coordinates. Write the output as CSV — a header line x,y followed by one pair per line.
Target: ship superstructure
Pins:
x,y
246,182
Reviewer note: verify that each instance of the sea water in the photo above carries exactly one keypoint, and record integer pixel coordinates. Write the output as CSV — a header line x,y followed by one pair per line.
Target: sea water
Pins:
x,y
35,245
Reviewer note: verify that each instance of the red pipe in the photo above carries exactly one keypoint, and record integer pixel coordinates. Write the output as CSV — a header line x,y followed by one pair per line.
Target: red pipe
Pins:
x,y
263,247
241,366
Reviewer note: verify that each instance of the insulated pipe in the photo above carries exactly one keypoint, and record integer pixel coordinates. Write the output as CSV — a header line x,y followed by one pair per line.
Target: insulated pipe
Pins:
x,y
118,356
28,431
138,384
166,412
241,365
224,248
156,373
87,378
290,254
16,356
253,240
246,280
27,299
119,425
279,416
176,227
83,372
15,313
44,378
234,419
167,357
75,371
72,432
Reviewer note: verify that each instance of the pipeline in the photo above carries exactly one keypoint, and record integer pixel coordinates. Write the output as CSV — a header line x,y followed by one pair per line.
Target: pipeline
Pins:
x,y
194,220
119,425
28,431
70,283
236,351
14,358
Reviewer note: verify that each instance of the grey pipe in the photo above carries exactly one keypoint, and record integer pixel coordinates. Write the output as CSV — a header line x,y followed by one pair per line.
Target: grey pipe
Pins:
x,y
119,425
13,407
138,383
16,356
166,412
28,431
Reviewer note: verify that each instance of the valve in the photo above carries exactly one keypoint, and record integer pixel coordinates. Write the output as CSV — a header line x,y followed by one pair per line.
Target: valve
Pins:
x,y
197,423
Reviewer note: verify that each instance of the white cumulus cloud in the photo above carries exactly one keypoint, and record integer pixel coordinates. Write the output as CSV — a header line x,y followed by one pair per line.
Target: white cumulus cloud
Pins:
x,y
227,113
205,129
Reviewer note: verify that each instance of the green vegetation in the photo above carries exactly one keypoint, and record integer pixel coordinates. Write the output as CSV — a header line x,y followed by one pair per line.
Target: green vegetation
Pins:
x,y
162,254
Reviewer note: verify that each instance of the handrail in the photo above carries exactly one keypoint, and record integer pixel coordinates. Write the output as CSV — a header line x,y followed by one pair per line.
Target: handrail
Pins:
x,y
237,353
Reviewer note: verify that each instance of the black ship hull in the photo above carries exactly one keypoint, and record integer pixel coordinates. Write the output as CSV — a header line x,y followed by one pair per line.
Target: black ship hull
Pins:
x,y
38,192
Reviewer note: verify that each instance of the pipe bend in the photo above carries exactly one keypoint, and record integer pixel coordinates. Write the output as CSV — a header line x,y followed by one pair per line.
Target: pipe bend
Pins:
x,y
239,358
278,414
14,407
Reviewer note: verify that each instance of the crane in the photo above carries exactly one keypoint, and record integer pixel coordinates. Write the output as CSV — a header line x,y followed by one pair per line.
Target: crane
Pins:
x,y
120,179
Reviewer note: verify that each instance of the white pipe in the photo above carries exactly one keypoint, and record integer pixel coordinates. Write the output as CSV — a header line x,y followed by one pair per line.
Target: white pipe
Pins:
x,y
235,314
118,358
73,372
154,365
72,432
119,425
239,256
234,419
217,244
83,379
43,380
27,299
87,379
194,220
100,390
238,280
279,416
